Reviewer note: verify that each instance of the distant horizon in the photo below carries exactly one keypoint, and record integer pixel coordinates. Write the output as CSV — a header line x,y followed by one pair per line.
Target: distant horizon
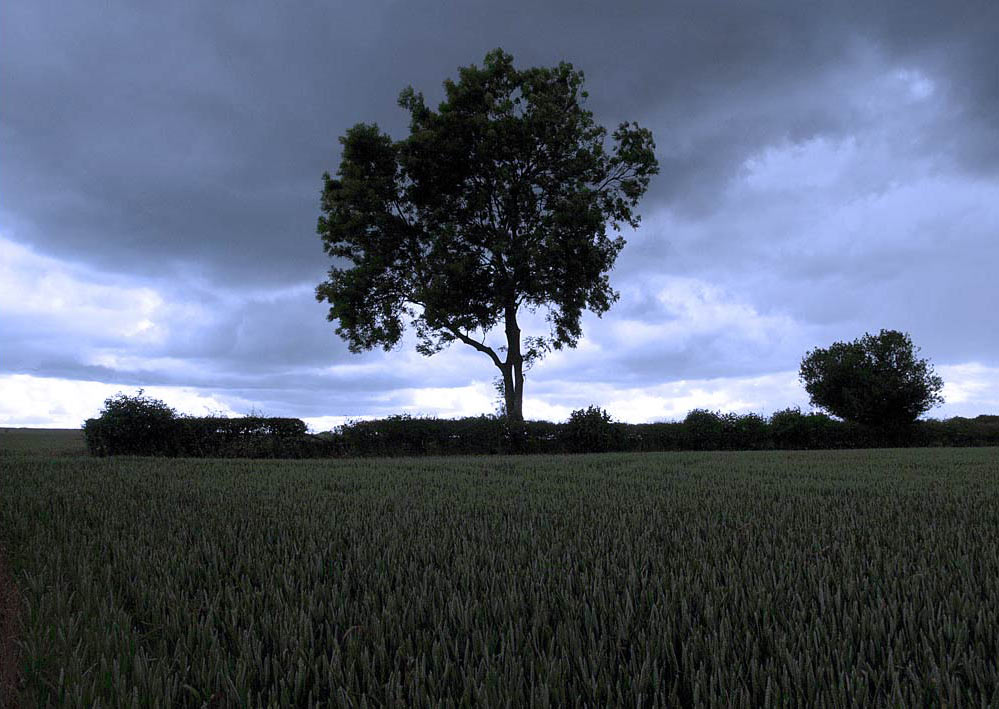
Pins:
x,y
328,423
825,171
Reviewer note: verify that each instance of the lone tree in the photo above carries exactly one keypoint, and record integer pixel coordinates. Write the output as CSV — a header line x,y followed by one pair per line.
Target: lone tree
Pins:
x,y
874,380
498,201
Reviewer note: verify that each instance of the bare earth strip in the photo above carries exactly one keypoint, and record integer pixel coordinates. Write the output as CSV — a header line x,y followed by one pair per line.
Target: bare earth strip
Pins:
x,y
9,624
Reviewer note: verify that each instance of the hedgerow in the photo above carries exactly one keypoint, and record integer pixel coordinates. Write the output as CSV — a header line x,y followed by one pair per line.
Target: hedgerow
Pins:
x,y
140,425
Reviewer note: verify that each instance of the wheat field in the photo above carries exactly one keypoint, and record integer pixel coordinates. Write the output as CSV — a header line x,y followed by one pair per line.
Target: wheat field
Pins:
x,y
695,579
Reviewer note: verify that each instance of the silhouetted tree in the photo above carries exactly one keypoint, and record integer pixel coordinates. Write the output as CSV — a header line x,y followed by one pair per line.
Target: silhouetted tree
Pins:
x,y
499,200
874,380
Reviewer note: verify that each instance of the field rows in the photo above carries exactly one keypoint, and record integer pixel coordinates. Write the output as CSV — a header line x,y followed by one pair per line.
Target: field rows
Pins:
x,y
810,578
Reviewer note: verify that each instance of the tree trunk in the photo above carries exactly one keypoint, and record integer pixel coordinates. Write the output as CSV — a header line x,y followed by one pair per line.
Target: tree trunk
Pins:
x,y
513,368
512,407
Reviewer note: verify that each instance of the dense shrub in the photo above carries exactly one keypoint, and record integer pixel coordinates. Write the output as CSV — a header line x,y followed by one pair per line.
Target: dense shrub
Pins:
x,y
590,430
405,435
790,428
746,432
244,437
132,425
712,430
959,431
663,436
140,425
703,430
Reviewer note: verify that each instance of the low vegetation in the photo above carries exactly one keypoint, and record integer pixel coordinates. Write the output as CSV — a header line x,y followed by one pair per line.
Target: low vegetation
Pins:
x,y
140,425
807,578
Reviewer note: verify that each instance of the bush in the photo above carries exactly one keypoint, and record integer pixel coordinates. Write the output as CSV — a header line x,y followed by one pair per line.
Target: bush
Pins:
x,y
243,437
404,435
132,425
791,429
473,435
746,432
590,430
140,425
703,430
960,431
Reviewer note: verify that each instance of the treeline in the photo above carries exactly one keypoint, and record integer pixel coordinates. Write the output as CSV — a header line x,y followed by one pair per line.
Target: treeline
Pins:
x,y
142,426
592,431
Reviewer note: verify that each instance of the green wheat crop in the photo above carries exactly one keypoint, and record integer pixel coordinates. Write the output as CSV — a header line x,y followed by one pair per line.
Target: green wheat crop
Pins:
x,y
735,579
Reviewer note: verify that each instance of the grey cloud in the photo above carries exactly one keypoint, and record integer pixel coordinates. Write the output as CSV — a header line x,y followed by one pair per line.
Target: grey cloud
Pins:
x,y
194,136
180,138
183,148
288,330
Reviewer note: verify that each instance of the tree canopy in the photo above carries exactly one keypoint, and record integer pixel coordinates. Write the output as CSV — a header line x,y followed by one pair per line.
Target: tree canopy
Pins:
x,y
497,201
876,380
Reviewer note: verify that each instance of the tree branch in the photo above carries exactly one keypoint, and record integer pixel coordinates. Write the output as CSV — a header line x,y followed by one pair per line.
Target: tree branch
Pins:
x,y
485,349
619,174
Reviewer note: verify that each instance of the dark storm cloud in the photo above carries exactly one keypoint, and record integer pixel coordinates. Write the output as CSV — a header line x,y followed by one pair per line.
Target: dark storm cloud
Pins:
x,y
182,137
179,151
193,136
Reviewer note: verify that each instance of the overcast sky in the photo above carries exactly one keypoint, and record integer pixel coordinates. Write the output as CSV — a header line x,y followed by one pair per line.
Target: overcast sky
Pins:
x,y
827,169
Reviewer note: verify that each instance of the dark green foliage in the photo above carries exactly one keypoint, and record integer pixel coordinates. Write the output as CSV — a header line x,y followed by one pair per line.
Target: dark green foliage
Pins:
x,y
405,435
874,380
792,429
712,430
746,432
243,437
791,579
590,430
139,425
959,431
663,436
132,425
498,200
704,430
